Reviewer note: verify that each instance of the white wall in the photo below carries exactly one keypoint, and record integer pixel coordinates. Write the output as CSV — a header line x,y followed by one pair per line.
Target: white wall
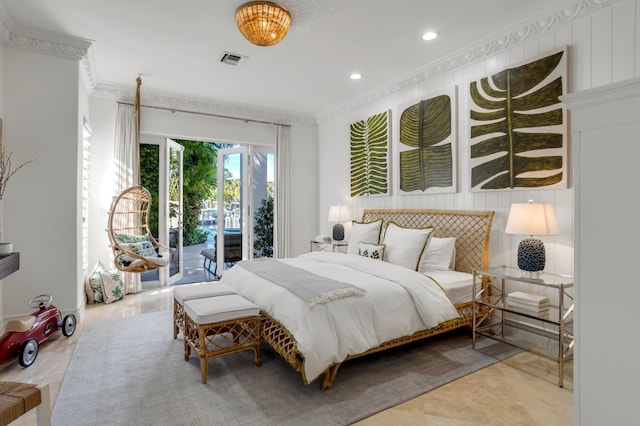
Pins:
x,y
41,215
1,203
606,129
591,36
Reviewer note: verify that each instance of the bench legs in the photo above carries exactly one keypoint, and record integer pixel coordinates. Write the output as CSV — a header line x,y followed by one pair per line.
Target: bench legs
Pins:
x,y
178,317
218,339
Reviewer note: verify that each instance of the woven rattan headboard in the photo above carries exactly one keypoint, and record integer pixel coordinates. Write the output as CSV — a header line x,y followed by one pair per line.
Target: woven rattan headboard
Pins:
x,y
470,228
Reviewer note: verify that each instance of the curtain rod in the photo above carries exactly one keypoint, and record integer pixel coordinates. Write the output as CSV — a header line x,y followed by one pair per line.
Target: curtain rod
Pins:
x,y
207,113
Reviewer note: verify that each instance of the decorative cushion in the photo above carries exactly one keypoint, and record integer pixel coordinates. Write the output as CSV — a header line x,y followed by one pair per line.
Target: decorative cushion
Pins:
x,y
374,251
439,255
404,246
161,259
215,309
130,239
93,284
128,261
200,290
112,285
365,232
143,248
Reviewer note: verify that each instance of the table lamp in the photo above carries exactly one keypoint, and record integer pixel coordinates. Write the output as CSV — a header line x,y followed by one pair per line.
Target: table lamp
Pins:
x,y
531,219
338,214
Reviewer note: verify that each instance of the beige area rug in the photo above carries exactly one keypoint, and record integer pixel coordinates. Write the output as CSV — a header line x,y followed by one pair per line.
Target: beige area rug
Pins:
x,y
130,371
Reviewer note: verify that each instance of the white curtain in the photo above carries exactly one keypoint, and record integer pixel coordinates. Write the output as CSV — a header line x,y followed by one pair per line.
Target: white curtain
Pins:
x,y
282,245
126,153
127,169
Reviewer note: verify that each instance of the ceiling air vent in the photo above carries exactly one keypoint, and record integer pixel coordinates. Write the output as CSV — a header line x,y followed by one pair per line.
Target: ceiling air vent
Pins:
x,y
232,58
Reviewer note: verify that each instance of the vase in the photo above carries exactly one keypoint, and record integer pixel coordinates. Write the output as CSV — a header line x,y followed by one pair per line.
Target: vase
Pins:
x,y
6,248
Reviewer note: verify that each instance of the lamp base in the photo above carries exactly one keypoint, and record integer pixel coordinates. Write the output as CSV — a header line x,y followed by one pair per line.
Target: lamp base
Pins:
x,y
338,232
531,255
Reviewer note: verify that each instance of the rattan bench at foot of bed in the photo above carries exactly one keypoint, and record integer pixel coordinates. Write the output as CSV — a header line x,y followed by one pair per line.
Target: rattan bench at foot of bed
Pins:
x,y
222,338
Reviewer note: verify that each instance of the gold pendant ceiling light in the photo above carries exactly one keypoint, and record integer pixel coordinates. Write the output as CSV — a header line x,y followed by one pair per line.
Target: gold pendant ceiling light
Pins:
x,y
263,23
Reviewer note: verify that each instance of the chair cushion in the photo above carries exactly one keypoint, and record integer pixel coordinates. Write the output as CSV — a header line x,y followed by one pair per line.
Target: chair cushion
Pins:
x,y
122,238
143,248
216,309
200,290
161,259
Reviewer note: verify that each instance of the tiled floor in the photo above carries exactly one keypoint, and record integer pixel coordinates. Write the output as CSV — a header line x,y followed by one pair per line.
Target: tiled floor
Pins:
x,y
519,391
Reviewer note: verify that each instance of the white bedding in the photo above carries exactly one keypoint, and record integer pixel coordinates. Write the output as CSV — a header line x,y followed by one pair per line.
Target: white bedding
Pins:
x,y
457,285
328,333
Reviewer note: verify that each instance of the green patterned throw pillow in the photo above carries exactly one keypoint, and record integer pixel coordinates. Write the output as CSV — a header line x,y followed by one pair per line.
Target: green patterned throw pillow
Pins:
x,y
93,284
374,251
130,239
112,285
104,285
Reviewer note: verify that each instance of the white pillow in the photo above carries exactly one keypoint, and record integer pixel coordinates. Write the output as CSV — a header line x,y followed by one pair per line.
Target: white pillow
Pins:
x,y
112,285
439,255
405,245
363,232
374,251
143,248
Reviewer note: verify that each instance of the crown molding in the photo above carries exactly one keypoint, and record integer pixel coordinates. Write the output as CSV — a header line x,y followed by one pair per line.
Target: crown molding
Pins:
x,y
51,43
544,23
122,93
621,90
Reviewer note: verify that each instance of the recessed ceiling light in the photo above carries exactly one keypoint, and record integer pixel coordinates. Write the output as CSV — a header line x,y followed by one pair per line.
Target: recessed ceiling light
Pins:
x,y
430,35
356,76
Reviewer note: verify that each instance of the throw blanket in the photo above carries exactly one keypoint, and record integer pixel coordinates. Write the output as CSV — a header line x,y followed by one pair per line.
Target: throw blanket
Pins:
x,y
311,288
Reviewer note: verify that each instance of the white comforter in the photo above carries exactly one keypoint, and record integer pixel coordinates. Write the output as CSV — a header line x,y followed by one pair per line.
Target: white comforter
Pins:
x,y
398,302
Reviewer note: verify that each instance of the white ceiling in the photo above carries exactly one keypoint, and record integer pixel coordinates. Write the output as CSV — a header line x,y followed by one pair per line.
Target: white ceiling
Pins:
x,y
176,45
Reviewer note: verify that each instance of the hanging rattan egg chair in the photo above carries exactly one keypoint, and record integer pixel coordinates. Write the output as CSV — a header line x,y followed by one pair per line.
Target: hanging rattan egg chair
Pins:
x,y
133,245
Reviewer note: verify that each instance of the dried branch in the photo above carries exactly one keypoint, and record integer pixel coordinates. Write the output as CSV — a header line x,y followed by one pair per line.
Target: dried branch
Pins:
x,y
6,172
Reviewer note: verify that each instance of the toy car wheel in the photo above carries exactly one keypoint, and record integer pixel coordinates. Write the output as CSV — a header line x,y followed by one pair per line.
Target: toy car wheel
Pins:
x,y
69,325
28,352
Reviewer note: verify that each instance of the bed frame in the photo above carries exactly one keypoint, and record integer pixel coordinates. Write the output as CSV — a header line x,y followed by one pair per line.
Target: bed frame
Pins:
x,y
471,230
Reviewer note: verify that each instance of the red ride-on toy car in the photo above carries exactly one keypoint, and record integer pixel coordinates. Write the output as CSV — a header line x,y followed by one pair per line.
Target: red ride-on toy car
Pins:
x,y
24,335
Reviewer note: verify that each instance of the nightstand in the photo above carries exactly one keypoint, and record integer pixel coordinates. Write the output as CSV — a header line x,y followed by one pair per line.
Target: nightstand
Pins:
x,y
333,246
548,333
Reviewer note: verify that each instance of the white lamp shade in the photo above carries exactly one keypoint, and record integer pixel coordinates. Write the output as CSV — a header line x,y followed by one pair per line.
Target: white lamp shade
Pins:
x,y
339,214
532,219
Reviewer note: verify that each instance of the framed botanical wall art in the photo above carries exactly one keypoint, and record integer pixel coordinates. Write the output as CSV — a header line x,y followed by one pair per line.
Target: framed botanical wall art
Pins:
x,y
427,144
518,135
370,155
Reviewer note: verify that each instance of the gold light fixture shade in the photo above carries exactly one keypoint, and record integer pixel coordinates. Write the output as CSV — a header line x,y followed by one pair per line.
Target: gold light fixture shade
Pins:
x,y
263,23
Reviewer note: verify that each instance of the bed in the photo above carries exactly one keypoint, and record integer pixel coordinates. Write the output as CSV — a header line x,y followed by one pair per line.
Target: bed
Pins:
x,y
396,306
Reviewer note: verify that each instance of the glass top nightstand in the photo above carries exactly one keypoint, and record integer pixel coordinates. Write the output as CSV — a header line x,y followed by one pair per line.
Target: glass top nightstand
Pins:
x,y
547,332
333,246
